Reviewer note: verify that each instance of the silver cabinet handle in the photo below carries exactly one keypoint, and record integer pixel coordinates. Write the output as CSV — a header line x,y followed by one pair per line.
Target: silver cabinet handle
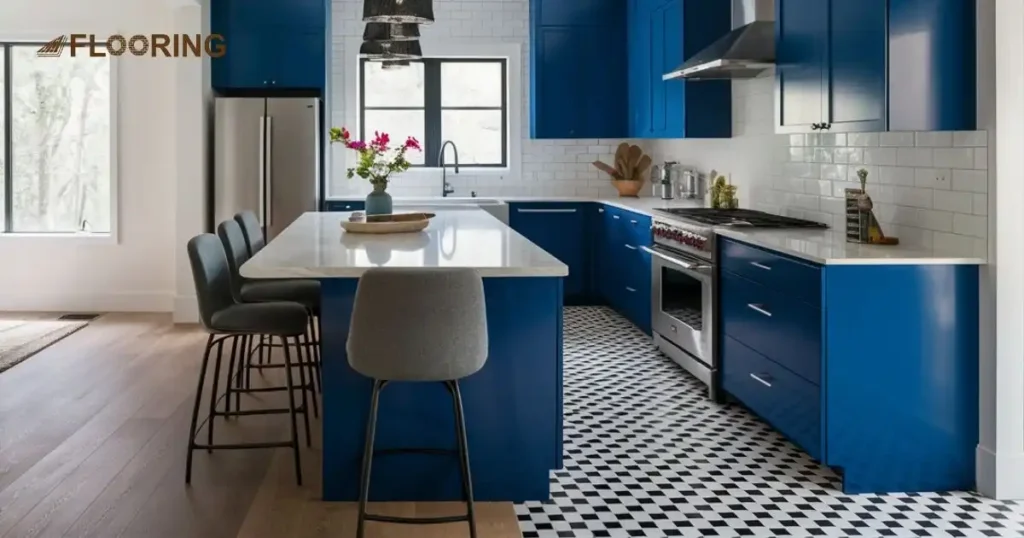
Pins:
x,y
600,210
616,217
761,266
631,290
630,247
759,310
632,222
545,210
761,381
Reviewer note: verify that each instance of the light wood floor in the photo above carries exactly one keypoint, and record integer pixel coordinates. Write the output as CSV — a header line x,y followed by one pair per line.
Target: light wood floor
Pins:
x,y
93,433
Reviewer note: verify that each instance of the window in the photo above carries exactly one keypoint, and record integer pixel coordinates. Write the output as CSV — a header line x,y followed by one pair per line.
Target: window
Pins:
x,y
56,163
436,99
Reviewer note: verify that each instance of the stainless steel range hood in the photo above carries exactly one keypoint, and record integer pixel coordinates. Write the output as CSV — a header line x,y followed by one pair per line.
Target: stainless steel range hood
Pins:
x,y
744,52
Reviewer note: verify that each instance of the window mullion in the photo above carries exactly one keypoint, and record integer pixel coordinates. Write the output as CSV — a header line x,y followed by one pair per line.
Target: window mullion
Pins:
x,y
8,176
432,111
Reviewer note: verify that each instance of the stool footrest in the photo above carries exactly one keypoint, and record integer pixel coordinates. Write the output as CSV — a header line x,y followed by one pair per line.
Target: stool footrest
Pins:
x,y
295,364
430,451
250,412
238,446
416,520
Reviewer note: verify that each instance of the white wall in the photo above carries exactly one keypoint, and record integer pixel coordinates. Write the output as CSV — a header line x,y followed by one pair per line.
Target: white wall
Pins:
x,y
137,274
555,167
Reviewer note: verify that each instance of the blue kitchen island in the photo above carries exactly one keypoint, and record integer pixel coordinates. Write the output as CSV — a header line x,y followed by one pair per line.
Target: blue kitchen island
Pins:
x,y
513,406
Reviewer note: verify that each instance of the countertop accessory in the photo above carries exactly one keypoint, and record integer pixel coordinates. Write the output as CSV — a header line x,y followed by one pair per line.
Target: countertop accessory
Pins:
x,y
861,224
723,193
691,185
396,223
628,171
668,180
378,161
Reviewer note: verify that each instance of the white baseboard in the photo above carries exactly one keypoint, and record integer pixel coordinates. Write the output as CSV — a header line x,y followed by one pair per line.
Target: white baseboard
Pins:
x,y
85,302
1000,475
186,309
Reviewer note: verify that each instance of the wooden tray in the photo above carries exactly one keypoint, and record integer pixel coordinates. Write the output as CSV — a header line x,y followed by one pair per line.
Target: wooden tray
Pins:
x,y
395,223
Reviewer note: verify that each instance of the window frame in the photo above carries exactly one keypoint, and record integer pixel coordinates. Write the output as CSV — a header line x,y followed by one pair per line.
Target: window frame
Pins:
x,y
7,230
433,108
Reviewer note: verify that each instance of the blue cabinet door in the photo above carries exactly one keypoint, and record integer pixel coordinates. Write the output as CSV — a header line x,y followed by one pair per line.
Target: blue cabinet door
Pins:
x,y
639,60
932,65
665,27
801,31
855,67
559,229
578,82
248,62
304,65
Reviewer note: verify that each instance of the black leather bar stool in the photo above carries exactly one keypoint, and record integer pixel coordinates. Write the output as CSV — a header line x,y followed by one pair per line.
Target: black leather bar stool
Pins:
x,y
245,291
226,320
305,291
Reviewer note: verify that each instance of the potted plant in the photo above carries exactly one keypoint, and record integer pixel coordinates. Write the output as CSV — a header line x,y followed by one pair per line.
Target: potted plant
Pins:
x,y
378,160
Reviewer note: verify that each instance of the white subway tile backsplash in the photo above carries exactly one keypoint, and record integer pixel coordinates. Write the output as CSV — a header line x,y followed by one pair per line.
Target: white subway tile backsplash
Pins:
x,y
886,156
862,139
914,157
971,139
833,171
946,242
957,202
851,173
832,139
798,155
839,188
980,205
822,155
981,158
912,197
893,175
970,181
818,187
932,178
848,155
833,205
797,140
934,139
896,139
972,225
954,158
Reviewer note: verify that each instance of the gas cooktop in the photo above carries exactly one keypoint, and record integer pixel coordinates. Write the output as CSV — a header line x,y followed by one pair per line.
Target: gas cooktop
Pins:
x,y
739,218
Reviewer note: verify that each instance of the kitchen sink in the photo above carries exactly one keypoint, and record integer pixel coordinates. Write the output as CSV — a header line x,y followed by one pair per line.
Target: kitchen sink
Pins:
x,y
497,208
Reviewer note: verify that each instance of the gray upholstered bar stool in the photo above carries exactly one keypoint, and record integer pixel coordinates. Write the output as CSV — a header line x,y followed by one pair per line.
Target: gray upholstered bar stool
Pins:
x,y
306,291
225,319
442,318
232,237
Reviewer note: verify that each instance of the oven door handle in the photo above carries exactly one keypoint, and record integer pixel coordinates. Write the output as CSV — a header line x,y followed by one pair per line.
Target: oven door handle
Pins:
x,y
702,269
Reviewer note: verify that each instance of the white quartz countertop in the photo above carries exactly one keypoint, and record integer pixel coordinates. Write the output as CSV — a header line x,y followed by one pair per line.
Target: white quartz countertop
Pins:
x,y
828,246
315,246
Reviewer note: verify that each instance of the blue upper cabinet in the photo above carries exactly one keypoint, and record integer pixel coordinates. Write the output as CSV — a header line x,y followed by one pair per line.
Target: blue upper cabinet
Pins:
x,y
875,65
271,44
661,35
577,60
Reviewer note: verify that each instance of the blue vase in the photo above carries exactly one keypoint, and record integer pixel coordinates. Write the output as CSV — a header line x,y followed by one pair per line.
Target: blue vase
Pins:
x,y
378,202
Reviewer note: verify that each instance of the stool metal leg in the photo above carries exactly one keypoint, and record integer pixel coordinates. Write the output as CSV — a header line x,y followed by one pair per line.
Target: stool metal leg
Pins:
x,y
291,409
240,374
213,397
364,480
230,381
460,432
302,388
195,406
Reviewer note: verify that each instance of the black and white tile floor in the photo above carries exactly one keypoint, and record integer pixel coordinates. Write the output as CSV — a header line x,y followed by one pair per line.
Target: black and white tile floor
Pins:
x,y
648,455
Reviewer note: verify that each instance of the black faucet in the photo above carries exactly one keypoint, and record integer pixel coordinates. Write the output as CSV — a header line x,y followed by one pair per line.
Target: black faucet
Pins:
x,y
447,189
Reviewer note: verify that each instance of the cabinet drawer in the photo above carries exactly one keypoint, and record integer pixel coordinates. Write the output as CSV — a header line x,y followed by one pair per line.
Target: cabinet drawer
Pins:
x,y
794,279
787,402
786,331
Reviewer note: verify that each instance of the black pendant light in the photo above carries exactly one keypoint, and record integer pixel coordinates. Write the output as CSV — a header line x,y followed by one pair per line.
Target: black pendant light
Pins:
x,y
391,50
382,31
388,65
399,11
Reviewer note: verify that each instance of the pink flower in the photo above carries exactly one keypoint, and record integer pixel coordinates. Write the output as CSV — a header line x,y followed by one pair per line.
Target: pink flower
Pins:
x,y
344,133
380,141
357,145
412,143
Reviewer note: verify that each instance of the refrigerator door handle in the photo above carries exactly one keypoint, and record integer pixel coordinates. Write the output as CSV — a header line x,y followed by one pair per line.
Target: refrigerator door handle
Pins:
x,y
263,171
268,172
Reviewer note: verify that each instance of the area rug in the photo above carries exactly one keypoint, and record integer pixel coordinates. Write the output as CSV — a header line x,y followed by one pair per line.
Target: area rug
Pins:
x,y
22,338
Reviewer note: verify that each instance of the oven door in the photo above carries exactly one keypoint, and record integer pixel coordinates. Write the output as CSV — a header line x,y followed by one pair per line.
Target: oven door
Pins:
x,y
681,301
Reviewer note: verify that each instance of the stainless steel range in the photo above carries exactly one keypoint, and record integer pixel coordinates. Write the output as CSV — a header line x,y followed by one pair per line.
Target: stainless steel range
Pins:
x,y
683,282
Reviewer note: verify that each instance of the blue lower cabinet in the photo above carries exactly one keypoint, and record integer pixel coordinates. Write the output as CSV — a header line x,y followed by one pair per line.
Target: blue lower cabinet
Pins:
x,y
626,268
344,205
561,230
880,382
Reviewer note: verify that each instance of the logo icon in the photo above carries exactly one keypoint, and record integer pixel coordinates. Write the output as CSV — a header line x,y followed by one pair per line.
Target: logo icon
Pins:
x,y
53,48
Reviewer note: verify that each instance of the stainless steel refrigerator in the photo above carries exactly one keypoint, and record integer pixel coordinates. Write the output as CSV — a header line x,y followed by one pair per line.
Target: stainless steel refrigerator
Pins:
x,y
266,159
